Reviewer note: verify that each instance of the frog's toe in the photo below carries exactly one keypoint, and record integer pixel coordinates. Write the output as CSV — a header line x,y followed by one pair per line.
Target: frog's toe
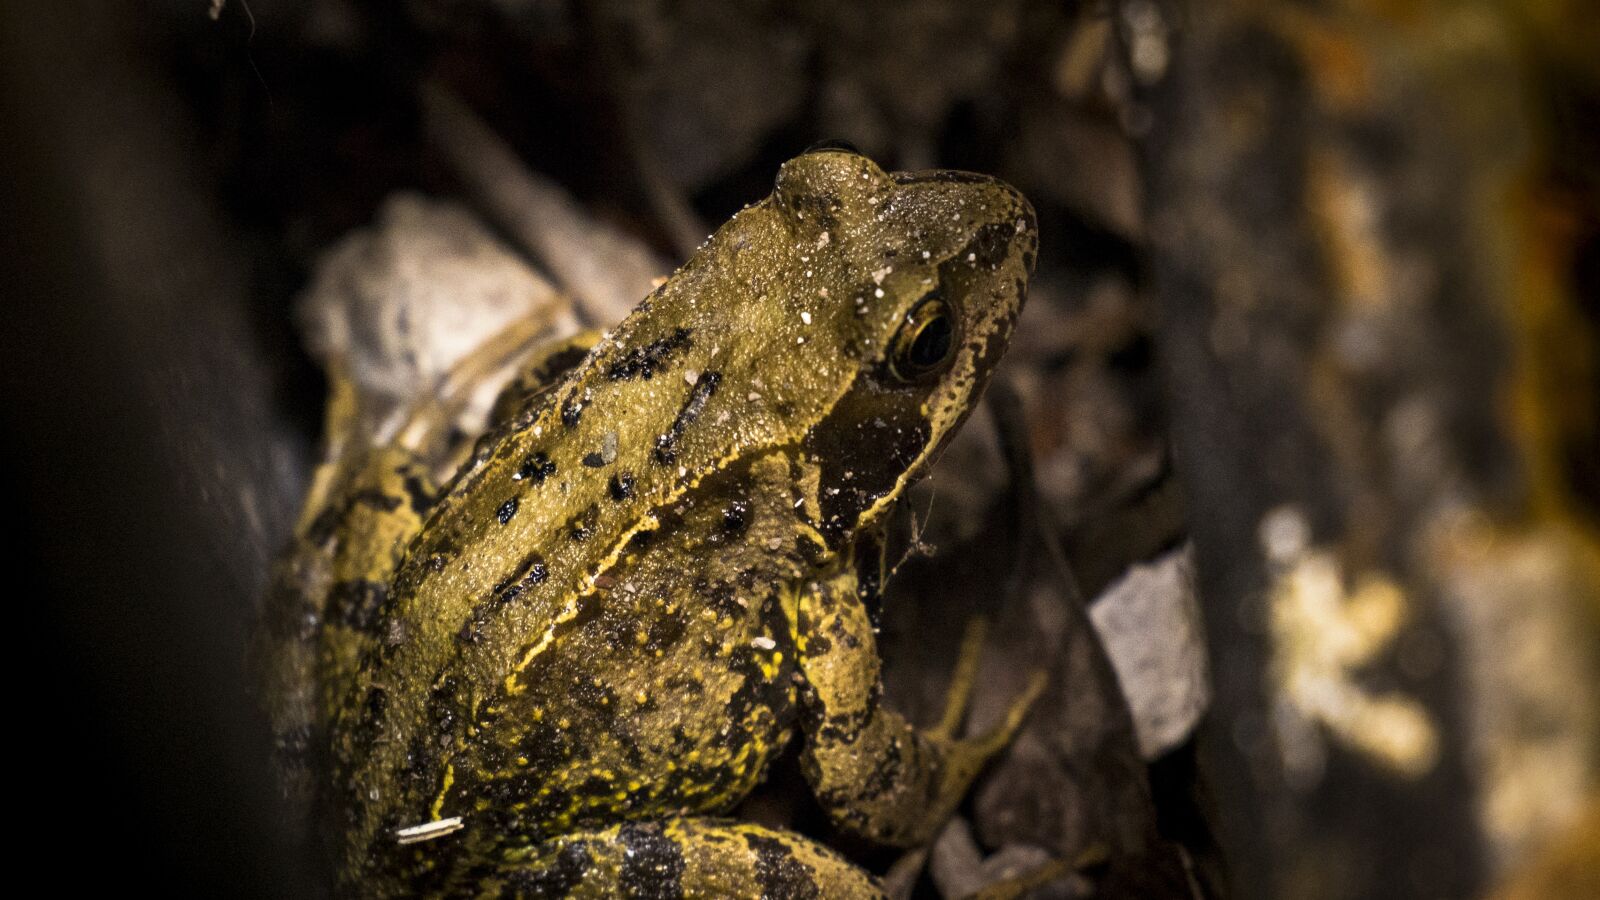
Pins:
x,y
959,694
964,759
999,737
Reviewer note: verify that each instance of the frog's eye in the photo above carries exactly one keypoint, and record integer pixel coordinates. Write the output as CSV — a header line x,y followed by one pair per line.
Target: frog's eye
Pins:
x,y
925,343
833,144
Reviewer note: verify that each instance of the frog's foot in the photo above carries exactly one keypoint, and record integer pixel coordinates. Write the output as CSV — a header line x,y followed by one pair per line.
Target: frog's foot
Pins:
x,y
959,694
965,758
680,857
1054,871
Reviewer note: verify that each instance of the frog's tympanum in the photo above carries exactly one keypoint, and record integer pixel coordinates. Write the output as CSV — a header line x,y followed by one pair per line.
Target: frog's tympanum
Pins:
x,y
548,677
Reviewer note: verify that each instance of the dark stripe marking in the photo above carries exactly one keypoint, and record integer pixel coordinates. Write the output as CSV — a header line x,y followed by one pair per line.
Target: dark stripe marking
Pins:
x,y
704,388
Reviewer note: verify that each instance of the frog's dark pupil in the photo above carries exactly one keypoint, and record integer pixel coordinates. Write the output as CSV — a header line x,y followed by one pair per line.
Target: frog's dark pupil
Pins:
x,y
924,343
931,345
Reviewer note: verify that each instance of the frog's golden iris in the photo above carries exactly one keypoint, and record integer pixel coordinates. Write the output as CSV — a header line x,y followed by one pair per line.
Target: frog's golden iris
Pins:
x,y
543,678
925,344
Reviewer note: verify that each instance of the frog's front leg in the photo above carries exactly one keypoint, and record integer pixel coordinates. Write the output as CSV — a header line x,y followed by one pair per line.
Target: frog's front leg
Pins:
x,y
680,857
876,773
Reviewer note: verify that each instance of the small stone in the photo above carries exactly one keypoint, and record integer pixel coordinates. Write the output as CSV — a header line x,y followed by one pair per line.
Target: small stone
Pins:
x,y
1149,622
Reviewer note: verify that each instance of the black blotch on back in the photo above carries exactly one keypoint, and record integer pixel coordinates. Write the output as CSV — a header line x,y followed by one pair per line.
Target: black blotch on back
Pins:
x,y
421,497
322,528
572,862
735,517
376,499
506,511
704,388
644,362
536,468
719,597
666,630
529,572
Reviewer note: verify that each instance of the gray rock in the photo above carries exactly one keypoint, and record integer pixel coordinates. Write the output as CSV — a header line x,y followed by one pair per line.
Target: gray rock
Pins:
x,y
1149,622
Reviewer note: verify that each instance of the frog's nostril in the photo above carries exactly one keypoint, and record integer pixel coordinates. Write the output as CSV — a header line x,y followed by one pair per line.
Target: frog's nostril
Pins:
x,y
833,144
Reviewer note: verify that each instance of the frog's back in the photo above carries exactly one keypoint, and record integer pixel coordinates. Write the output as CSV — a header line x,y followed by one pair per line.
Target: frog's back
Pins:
x,y
668,692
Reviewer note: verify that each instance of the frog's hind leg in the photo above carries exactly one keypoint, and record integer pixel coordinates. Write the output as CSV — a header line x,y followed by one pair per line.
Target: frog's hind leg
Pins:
x,y
325,596
679,857
959,694
428,425
540,372
283,650
431,427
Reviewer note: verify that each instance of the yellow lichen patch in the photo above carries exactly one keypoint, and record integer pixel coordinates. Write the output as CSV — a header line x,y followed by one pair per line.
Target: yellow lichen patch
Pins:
x,y
1323,632
1524,603
1568,867
1525,583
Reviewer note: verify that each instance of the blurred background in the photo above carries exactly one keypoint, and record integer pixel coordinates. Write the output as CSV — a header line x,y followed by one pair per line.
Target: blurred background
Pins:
x,y
1296,458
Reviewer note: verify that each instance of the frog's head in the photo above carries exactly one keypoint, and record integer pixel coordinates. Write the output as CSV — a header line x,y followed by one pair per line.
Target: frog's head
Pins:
x,y
936,267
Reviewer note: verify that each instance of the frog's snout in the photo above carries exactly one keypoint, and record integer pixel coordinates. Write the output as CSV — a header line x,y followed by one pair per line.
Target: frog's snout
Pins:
x,y
1028,227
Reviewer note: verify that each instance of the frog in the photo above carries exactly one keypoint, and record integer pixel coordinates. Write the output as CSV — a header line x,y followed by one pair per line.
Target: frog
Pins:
x,y
556,673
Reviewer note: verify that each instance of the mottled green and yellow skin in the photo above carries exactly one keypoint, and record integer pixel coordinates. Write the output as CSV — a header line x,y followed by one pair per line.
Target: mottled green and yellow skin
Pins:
x,y
651,571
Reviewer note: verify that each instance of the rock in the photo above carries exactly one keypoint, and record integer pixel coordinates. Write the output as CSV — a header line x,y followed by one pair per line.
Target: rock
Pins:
x,y
404,300
1149,622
